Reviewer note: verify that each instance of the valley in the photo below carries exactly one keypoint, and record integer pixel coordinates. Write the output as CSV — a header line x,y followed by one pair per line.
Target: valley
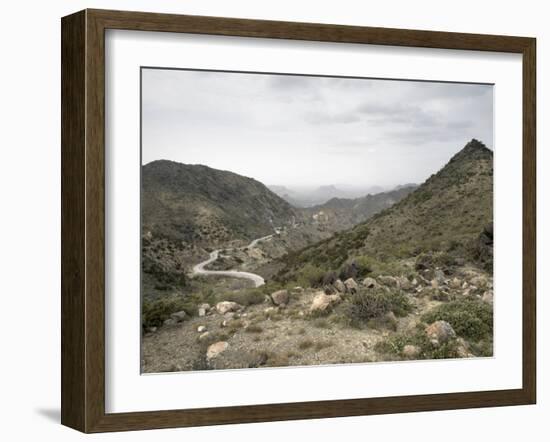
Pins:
x,y
236,276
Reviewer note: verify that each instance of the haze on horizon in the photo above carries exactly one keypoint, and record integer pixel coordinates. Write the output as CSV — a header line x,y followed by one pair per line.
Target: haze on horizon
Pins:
x,y
306,132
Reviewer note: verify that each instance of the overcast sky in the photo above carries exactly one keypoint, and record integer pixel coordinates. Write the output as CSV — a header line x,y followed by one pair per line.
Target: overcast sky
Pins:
x,y
311,131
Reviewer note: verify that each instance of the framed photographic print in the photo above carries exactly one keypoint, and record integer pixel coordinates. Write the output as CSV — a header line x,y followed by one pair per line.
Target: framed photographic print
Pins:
x,y
268,220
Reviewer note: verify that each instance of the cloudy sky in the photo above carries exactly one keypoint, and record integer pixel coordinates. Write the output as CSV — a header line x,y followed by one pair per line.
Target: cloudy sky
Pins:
x,y
311,131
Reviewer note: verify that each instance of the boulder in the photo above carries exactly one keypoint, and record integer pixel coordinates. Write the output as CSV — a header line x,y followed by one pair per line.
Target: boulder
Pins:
x,y
370,283
439,276
340,286
351,285
280,297
488,297
411,351
216,349
227,306
178,316
388,281
440,332
403,283
323,303
455,283
203,309
201,328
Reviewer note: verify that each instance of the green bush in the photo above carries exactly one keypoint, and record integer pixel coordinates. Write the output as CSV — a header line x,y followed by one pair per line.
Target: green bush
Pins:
x,y
154,313
245,297
394,345
367,305
472,319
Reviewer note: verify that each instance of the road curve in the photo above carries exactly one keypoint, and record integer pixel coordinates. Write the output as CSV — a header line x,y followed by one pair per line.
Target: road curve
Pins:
x,y
256,279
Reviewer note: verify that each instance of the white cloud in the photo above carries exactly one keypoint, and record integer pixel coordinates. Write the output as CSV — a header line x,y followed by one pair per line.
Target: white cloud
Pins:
x,y
301,130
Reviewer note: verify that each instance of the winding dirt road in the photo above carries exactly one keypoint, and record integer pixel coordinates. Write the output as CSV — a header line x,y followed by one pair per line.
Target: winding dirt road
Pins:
x,y
258,281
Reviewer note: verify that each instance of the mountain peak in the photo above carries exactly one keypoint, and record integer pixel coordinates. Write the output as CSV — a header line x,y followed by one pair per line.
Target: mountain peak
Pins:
x,y
473,149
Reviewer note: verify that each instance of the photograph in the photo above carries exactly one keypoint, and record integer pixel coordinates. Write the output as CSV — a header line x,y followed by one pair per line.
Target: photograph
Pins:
x,y
306,220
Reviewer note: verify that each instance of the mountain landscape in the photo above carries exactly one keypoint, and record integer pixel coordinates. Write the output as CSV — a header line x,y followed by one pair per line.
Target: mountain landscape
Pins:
x,y
239,275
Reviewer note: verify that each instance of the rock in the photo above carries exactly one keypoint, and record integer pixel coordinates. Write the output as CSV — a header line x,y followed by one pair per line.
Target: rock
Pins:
x,y
203,310
351,285
440,332
178,316
388,281
370,283
439,276
216,349
323,303
201,328
227,306
464,285
298,289
414,282
455,283
152,329
340,286
403,283
488,297
434,283
479,281
463,349
169,322
204,336
269,310
280,297
411,351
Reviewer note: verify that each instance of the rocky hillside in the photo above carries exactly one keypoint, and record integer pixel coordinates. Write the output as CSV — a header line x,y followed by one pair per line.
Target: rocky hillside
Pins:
x,y
449,213
201,205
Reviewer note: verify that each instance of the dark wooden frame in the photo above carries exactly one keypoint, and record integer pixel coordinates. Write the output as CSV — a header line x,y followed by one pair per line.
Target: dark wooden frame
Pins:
x,y
83,216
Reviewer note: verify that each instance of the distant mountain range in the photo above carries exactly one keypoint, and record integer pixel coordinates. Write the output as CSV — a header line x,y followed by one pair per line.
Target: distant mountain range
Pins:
x,y
308,197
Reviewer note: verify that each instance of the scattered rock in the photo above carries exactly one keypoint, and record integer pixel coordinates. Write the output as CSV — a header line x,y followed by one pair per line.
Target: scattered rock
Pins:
x,y
227,306
351,285
298,289
178,316
201,328
269,310
322,302
411,351
440,332
389,281
280,297
488,296
370,283
340,286
434,283
464,285
169,322
216,349
151,329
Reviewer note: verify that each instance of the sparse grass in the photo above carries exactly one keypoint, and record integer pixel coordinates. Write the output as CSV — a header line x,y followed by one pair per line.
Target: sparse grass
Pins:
x,y
254,328
320,345
321,323
305,344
